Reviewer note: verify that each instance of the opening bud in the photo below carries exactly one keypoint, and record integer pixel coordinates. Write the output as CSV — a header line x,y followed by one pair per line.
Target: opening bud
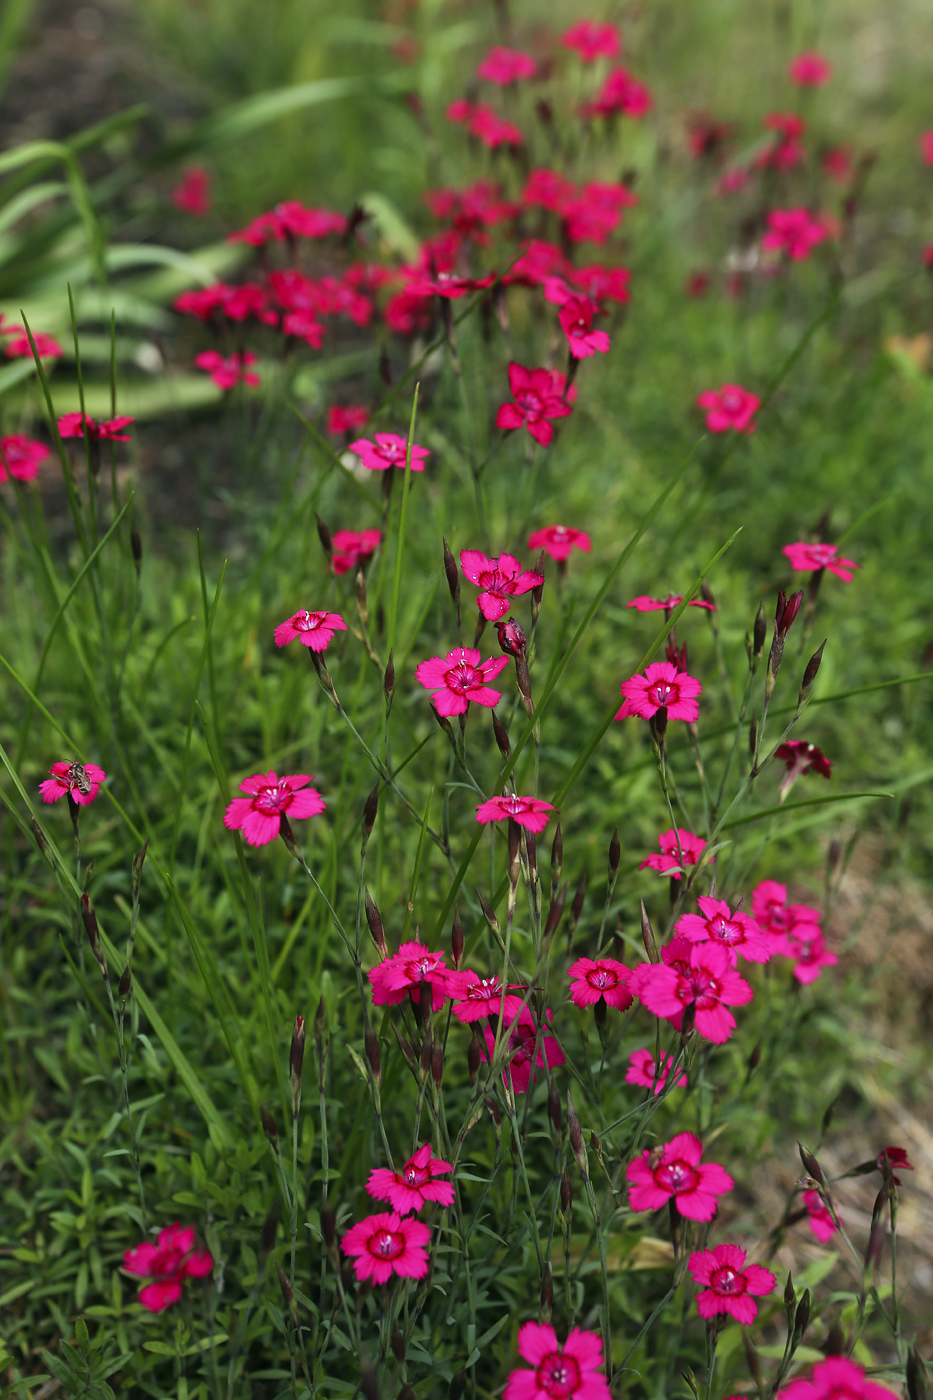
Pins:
x,y
90,925
554,913
785,612
810,1164
512,638
458,1385
368,1383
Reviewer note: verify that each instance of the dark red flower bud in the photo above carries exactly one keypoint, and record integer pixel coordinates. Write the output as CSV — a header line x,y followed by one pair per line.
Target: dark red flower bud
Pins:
x,y
553,1108
810,1165
328,1224
677,656
473,1059
576,1135
502,737
268,1123
760,632
374,920
371,1046
835,1345
456,939
512,638
453,575
810,673
323,534
554,913
437,1064
785,612
566,1192
615,853
369,812
126,981
657,724
268,1232
284,1284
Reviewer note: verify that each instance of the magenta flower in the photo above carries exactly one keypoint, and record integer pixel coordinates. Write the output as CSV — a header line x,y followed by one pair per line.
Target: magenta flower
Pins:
x,y
897,1156
476,998
352,547
576,321
818,1217
925,143
794,232
408,1190
21,457
193,195
620,95
402,975
642,1071
499,580
346,418
70,425
315,629
800,757
601,980
737,933
522,1037
304,325
227,371
661,687
571,1372
259,816
168,1263
533,813
781,920
810,959
47,347
675,1170
503,66
460,677
645,603
82,781
691,847
604,283
729,409
592,40
806,558
559,541
810,69
388,451
387,1244
302,222
692,975
836,1378
730,1285
539,397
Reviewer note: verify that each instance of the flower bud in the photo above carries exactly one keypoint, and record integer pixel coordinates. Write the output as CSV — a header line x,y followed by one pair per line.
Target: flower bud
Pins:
x,y
537,593
835,1345
547,1294
790,1296
268,1123
810,674
40,836
453,576
918,1387
760,632
566,1192
268,1232
371,1046
398,1344
369,813
458,1385
297,1052
801,1319
488,912
368,1383
284,1284
557,858
512,638
456,939
126,981
328,1224
437,1064
323,535
473,1059
810,1164
502,737
576,1135
576,908
676,655
554,913
388,680
828,1117
515,849
138,862
647,935
374,920
658,725
785,612
553,1108
615,854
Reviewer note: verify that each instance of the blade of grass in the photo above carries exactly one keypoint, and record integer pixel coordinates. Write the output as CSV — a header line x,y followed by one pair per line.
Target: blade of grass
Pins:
x,y
402,520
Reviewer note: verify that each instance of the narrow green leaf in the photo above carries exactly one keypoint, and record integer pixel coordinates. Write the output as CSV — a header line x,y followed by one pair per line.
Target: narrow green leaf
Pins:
x,y
804,802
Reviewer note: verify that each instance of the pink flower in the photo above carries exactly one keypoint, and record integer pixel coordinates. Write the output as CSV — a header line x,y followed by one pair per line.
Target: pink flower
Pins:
x,y
811,957
818,1217
601,980
800,757
925,143
388,1244
576,321
21,457
573,1370
810,69
169,1262
661,686
47,347
691,847
692,975
731,1285
806,557
533,813
737,933
503,66
408,1190
346,419
620,95
70,425
603,283
539,395
315,629
730,408
301,222
402,975
81,780
837,164
259,816
476,998
645,603
352,547
592,40
389,450
522,1038
836,1378
499,580
674,1170
304,325
547,189
642,1071
193,195
227,370
258,231
559,541
793,231
484,122
460,677
203,302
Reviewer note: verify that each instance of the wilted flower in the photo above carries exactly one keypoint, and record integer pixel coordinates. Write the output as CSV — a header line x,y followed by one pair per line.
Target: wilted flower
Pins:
x,y
21,457
730,1285
389,450
259,816
897,1156
539,397
228,370
592,40
387,1244
571,1372
168,1263
729,409
800,757
810,69
81,780
805,558
642,1071
460,677
499,580
408,1190
675,1170
602,979
836,1378
661,687
503,66
71,425
559,541
697,975
737,933
314,629
402,975
353,547
533,813
676,843
193,194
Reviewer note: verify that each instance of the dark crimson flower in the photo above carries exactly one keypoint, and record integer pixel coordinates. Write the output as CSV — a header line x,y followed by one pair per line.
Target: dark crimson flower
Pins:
x,y
810,69
21,457
168,1263
620,95
193,195
730,408
503,66
512,639
499,580
539,397
460,677
805,558
404,973
476,997
897,1156
643,1071
786,150
661,687
523,1036
690,845
819,1218
409,1189
352,547
801,757
592,40
259,816
81,780
795,232
698,975
559,541
313,629
387,1244
602,979
603,283
737,933
644,603
71,425
706,137
228,370
675,1170
389,450
836,1378
697,283
346,418
532,813
730,1285
47,347
571,1372
482,121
